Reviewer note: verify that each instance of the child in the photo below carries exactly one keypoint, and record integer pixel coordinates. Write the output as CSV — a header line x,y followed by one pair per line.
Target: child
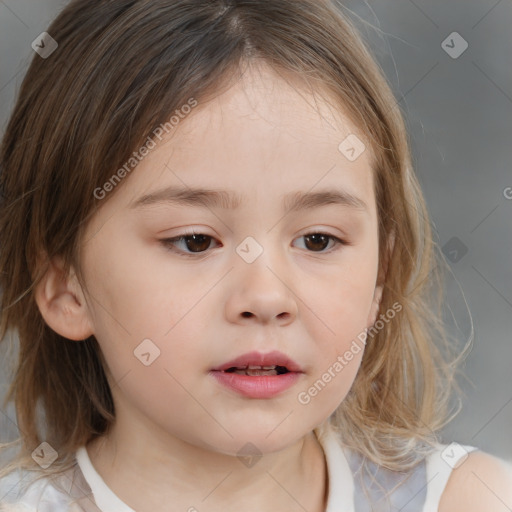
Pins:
x,y
219,264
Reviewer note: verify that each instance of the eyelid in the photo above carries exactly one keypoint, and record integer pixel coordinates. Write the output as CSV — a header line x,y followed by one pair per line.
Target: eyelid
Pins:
x,y
168,242
337,241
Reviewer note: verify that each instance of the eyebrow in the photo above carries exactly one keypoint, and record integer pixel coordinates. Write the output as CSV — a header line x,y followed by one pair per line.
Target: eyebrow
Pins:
x,y
209,198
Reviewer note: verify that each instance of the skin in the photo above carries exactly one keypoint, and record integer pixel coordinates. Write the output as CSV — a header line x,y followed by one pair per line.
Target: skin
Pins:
x,y
481,483
178,431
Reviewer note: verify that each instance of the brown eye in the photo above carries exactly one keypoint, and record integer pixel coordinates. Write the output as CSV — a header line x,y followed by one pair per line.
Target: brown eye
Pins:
x,y
319,242
197,243
190,244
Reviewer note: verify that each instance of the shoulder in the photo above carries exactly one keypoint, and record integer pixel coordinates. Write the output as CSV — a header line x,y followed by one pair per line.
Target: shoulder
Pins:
x,y
479,484
20,491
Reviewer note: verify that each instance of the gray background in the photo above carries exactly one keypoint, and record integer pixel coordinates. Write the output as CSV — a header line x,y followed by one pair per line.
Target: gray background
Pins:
x,y
459,113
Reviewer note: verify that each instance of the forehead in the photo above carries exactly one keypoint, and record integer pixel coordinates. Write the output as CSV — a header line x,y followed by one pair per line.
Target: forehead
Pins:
x,y
265,135
268,104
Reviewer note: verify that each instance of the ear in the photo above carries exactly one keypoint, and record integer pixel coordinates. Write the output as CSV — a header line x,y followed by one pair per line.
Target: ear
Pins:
x,y
374,311
62,303
377,295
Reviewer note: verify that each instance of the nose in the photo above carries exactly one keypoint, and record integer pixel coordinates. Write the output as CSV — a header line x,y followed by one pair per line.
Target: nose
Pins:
x,y
261,294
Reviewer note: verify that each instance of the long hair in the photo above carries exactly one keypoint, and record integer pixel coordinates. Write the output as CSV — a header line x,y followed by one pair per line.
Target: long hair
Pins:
x,y
121,68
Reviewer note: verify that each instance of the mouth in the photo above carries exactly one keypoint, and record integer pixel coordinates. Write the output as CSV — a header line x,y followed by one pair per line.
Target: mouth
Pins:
x,y
256,363
256,375
258,370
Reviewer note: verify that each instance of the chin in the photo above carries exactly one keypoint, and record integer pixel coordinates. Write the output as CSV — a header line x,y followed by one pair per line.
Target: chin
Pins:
x,y
249,440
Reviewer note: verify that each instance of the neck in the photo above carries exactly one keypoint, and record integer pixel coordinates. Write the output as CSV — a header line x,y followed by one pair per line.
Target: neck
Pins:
x,y
148,475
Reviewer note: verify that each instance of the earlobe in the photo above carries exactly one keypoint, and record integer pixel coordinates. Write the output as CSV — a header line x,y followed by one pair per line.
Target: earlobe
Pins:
x,y
62,304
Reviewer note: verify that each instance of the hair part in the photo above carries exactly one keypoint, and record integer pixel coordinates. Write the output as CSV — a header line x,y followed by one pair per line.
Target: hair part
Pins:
x,y
121,69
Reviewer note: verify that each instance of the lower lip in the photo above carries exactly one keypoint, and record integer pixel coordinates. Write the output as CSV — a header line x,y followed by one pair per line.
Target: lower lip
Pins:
x,y
259,386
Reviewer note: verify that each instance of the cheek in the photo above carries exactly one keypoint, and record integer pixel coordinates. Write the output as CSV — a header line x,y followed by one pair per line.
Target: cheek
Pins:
x,y
139,293
155,317
339,347
322,394
339,302
160,393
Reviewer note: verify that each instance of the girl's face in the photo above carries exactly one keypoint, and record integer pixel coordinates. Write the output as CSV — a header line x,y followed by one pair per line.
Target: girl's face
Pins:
x,y
168,313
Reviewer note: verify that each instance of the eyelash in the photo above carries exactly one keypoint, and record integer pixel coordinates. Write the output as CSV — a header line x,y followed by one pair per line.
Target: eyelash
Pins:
x,y
168,243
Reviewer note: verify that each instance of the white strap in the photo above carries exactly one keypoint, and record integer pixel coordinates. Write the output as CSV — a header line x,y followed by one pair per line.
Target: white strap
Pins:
x,y
440,465
341,481
105,499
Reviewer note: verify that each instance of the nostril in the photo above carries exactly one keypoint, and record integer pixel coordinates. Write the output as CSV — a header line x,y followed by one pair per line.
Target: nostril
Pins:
x,y
246,314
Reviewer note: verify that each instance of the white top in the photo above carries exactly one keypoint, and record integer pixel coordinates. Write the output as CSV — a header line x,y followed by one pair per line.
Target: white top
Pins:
x,y
350,488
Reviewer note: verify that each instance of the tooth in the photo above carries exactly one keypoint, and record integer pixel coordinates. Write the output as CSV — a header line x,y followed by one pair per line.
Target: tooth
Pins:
x,y
253,367
269,367
260,372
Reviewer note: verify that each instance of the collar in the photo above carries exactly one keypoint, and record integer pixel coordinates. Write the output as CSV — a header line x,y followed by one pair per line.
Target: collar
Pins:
x,y
339,476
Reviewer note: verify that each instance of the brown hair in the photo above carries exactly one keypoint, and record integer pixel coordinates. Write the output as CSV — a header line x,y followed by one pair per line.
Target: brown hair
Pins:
x,y
120,70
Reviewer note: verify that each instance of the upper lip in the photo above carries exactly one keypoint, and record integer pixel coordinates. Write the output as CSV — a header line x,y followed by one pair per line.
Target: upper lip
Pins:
x,y
274,358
